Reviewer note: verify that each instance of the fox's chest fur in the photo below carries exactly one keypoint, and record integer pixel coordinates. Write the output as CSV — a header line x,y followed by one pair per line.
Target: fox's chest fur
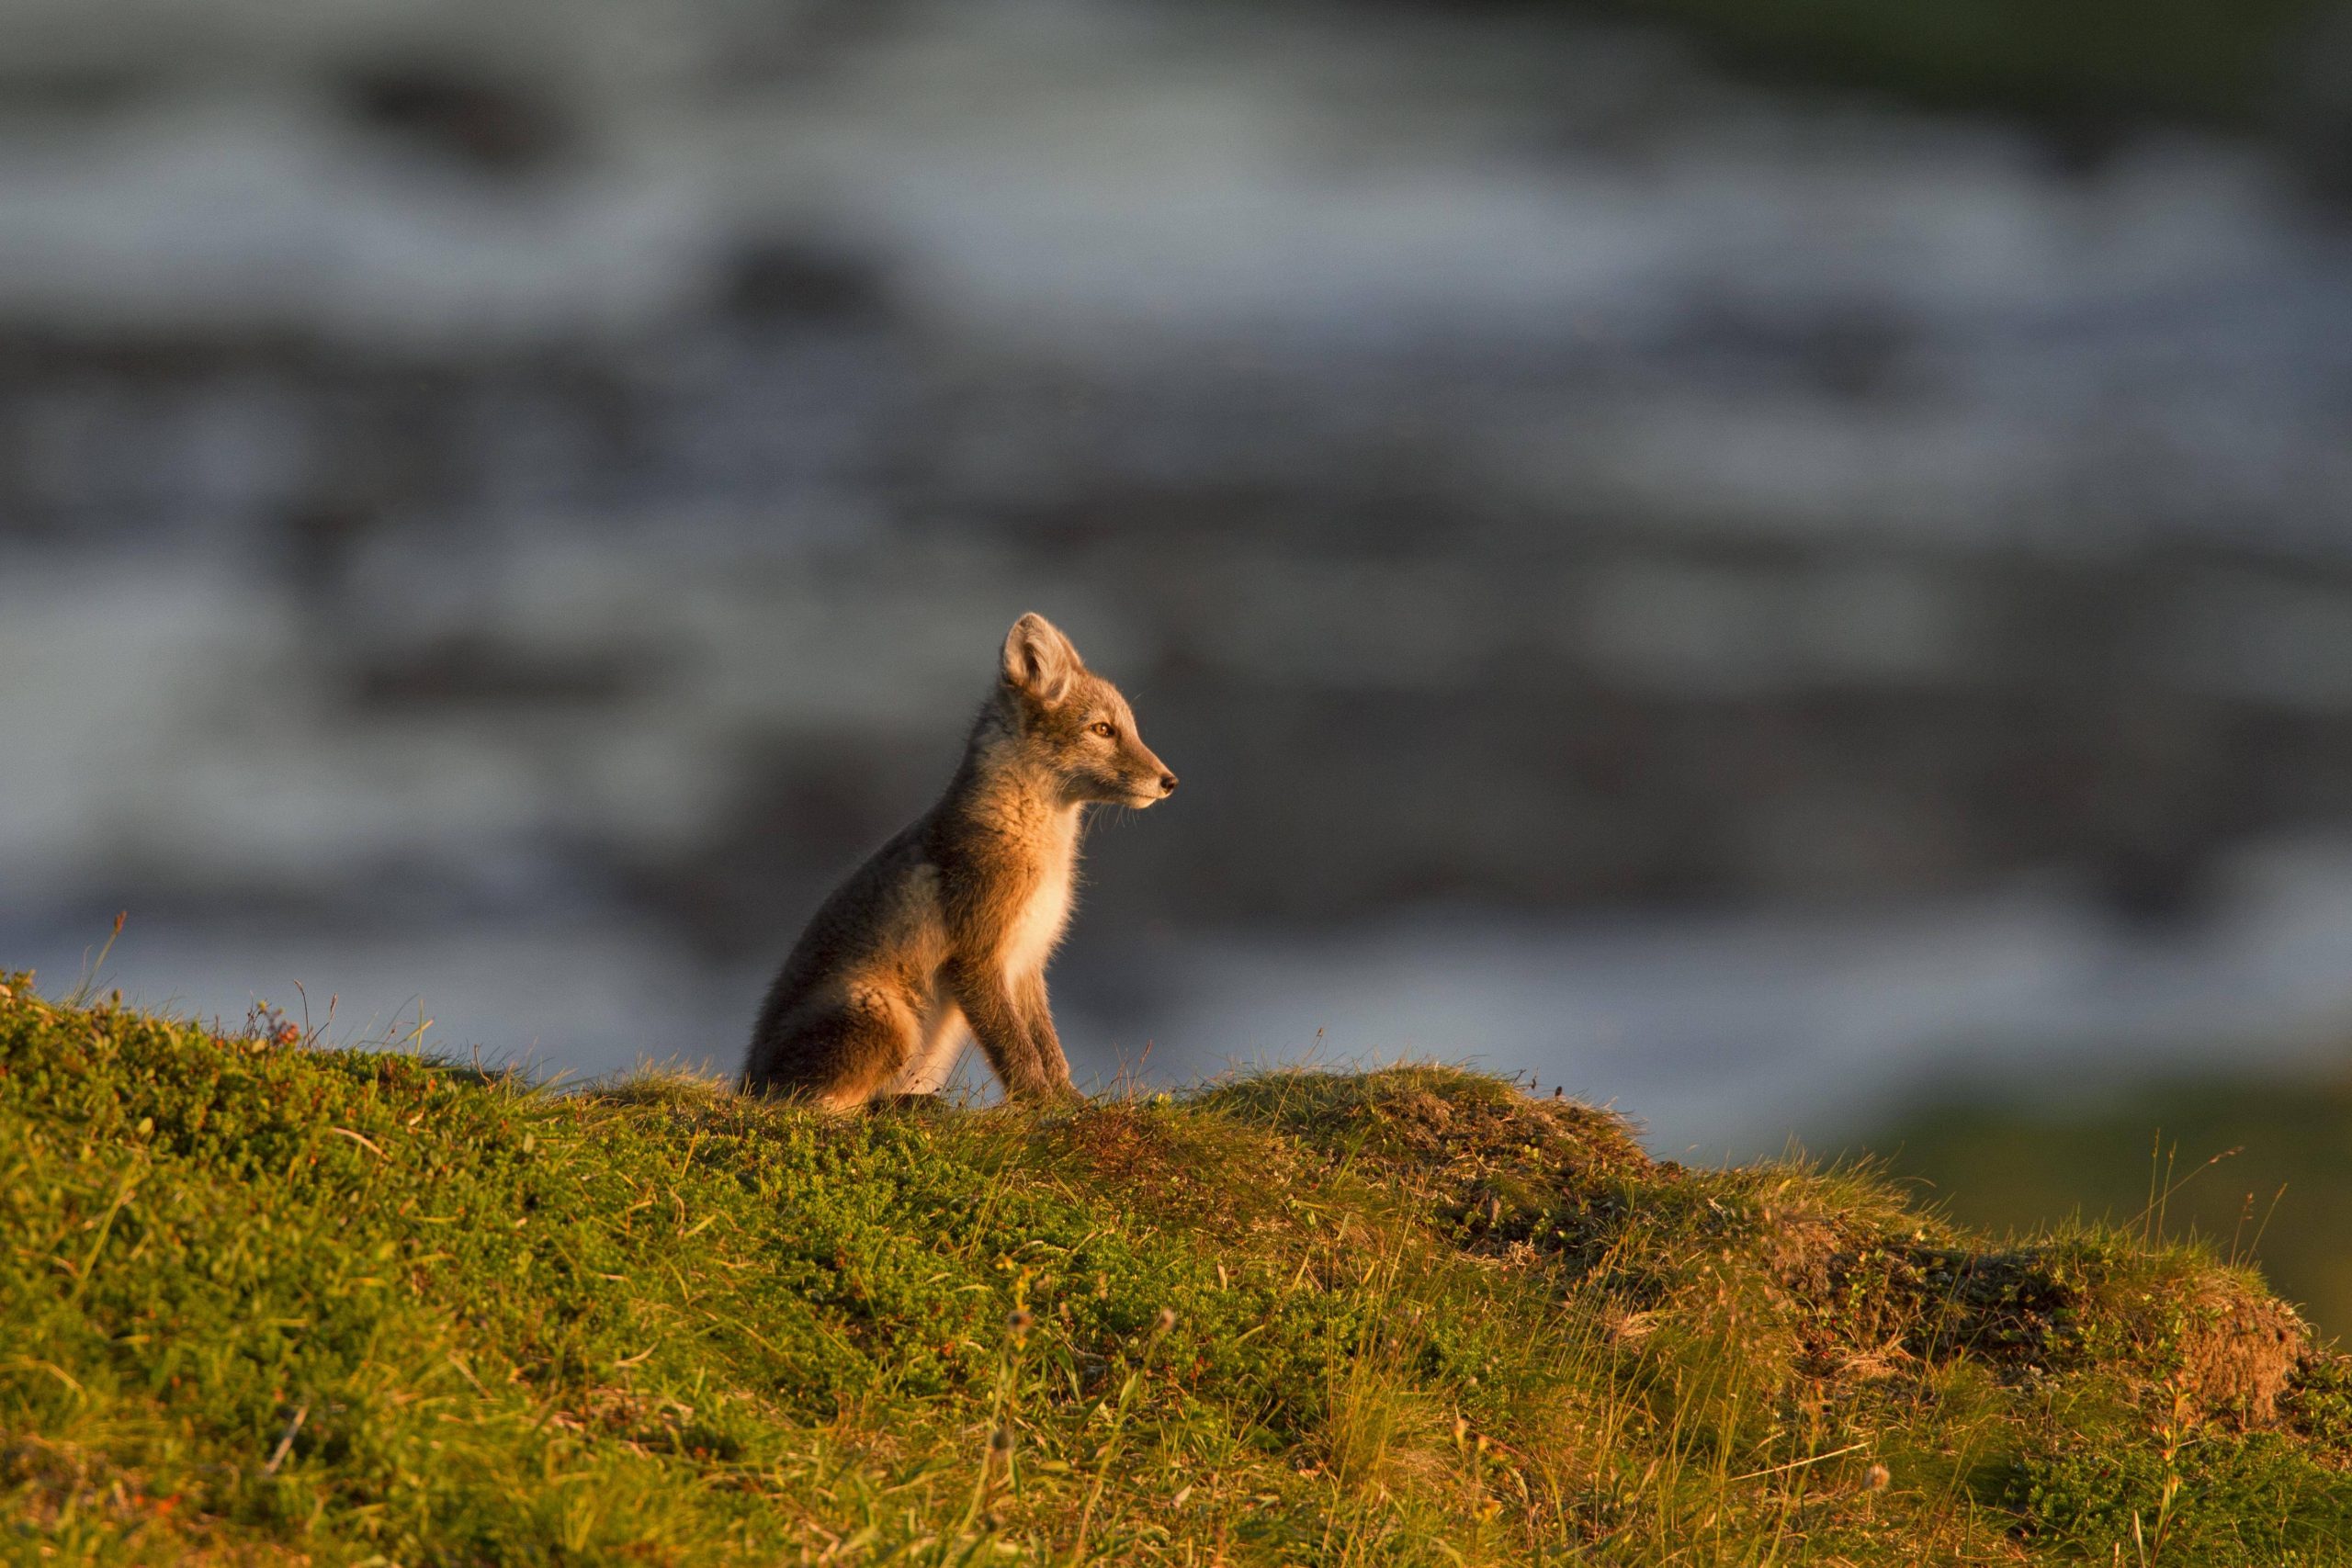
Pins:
x,y
1033,927
1038,920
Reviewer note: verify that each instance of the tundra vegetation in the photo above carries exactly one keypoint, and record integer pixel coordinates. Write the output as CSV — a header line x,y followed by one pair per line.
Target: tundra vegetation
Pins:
x,y
2262,1163
262,1301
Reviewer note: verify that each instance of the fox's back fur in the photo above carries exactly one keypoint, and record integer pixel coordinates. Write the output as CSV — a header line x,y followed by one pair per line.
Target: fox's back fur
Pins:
x,y
948,926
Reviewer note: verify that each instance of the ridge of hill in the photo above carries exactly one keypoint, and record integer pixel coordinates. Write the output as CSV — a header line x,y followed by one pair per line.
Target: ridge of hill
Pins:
x,y
263,1301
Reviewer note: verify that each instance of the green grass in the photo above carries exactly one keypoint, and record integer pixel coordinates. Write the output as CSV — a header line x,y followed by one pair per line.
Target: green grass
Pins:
x,y
2248,1160
263,1302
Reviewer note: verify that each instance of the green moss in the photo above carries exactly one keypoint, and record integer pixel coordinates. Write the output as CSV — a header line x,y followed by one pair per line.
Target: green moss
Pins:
x,y
2221,1500
268,1302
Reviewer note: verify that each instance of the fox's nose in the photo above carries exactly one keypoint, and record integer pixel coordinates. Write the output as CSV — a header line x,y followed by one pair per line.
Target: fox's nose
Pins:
x,y
1168,783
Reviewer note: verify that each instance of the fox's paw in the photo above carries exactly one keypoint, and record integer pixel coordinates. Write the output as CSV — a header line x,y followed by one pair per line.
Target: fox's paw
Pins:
x,y
1062,1096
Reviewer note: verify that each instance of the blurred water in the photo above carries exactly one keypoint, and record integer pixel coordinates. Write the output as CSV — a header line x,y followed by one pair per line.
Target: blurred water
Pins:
x,y
1721,1034
1729,602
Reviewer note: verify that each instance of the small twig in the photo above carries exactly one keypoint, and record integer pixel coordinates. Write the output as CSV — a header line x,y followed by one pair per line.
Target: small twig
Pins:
x,y
106,1228
2263,1229
1798,1463
1118,1425
364,1143
2158,1205
286,1440
90,986
33,1364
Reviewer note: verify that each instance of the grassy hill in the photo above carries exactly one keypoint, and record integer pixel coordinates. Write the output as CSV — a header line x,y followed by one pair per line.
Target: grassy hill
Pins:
x,y
261,1302
2239,1159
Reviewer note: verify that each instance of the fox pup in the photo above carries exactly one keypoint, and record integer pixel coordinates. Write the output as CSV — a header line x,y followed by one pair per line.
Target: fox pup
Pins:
x,y
949,925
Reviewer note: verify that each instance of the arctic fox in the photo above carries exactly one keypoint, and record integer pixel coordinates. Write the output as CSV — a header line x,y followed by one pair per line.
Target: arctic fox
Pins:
x,y
949,925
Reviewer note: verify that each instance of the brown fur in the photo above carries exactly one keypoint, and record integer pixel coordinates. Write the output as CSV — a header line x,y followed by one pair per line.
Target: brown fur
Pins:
x,y
949,925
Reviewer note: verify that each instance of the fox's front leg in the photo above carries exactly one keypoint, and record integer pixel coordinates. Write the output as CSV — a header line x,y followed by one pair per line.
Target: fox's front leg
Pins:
x,y
996,1022
1038,1015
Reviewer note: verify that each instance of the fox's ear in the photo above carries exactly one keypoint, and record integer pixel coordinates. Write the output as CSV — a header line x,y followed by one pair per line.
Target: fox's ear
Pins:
x,y
1038,659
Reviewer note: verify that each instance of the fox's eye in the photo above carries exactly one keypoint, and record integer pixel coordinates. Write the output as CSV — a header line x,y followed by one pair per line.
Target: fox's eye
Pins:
x,y
1106,730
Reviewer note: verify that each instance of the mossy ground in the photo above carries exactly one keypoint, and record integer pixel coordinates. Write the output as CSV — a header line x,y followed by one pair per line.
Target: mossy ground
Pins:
x,y
266,1302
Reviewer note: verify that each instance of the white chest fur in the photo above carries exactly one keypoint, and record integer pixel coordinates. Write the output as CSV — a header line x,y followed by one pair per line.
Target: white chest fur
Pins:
x,y
1038,927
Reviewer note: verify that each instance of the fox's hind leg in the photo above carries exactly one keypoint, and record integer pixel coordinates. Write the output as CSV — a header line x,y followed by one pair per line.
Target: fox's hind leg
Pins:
x,y
841,1057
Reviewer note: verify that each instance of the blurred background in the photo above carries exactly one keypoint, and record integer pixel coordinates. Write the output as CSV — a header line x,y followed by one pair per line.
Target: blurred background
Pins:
x,y
1785,566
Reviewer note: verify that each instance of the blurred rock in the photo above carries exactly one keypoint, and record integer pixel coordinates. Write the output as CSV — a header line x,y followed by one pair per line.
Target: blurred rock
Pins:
x,y
494,126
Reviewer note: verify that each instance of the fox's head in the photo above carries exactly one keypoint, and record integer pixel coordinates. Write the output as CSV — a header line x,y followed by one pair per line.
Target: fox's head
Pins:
x,y
1073,724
